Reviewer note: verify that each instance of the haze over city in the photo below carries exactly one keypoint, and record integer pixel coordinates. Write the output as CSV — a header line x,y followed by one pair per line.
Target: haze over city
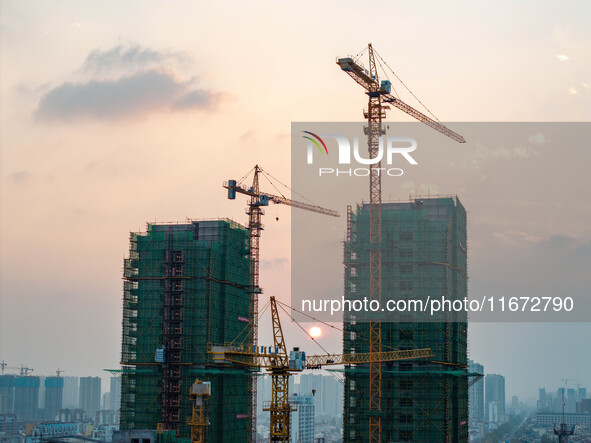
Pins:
x,y
118,114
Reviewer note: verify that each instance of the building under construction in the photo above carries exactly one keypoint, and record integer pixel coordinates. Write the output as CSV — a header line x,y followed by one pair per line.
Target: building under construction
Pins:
x,y
185,286
423,247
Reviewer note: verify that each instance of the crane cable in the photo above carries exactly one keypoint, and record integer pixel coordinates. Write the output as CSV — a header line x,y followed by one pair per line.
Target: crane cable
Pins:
x,y
266,175
359,54
386,74
309,316
407,88
283,184
306,332
325,323
262,311
246,175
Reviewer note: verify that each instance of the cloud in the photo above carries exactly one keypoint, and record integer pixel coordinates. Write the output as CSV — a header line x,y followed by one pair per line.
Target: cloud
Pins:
x,y
19,177
557,242
562,57
127,80
75,25
198,98
584,250
537,139
135,95
130,56
514,237
505,153
276,262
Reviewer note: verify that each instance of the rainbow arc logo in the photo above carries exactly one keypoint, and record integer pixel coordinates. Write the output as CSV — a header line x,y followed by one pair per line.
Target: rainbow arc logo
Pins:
x,y
315,140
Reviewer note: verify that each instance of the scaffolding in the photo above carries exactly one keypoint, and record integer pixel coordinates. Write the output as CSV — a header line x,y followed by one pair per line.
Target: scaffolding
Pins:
x,y
185,285
423,255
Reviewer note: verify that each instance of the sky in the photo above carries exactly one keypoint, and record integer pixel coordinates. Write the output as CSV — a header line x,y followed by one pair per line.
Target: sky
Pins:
x,y
114,114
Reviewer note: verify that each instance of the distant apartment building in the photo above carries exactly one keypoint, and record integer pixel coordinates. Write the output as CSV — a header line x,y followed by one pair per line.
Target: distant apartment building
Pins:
x,y
553,401
328,393
47,431
106,400
72,416
26,397
492,412
584,406
6,394
115,394
71,395
54,389
90,394
494,386
476,393
106,417
551,419
302,419
8,424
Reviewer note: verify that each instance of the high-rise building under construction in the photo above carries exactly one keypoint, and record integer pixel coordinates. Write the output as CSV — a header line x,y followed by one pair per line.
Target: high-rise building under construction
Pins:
x,y
423,256
185,286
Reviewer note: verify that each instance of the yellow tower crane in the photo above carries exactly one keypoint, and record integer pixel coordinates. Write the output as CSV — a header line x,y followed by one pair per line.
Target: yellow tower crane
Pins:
x,y
200,392
258,200
282,365
379,98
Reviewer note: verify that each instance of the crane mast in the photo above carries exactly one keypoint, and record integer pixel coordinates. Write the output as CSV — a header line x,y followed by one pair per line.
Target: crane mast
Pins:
x,y
374,131
378,99
279,406
254,229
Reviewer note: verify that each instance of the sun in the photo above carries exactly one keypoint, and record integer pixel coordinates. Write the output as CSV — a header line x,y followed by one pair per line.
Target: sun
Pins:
x,y
315,332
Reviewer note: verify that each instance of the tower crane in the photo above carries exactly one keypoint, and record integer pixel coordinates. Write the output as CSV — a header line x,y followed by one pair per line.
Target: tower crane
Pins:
x,y
282,365
379,98
200,392
258,200
24,371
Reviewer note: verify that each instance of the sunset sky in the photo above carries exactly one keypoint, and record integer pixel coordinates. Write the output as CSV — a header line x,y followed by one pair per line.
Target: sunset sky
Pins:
x,y
114,114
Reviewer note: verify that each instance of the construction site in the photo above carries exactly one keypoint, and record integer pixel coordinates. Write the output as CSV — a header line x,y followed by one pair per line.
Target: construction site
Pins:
x,y
191,355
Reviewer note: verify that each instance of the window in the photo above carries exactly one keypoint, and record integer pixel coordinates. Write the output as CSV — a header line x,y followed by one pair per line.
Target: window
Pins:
x,y
405,285
405,253
405,334
405,269
405,236
405,366
405,418
404,435
405,402
406,385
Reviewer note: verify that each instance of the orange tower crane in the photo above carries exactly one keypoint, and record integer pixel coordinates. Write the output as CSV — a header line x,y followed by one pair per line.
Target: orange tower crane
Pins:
x,y
379,99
